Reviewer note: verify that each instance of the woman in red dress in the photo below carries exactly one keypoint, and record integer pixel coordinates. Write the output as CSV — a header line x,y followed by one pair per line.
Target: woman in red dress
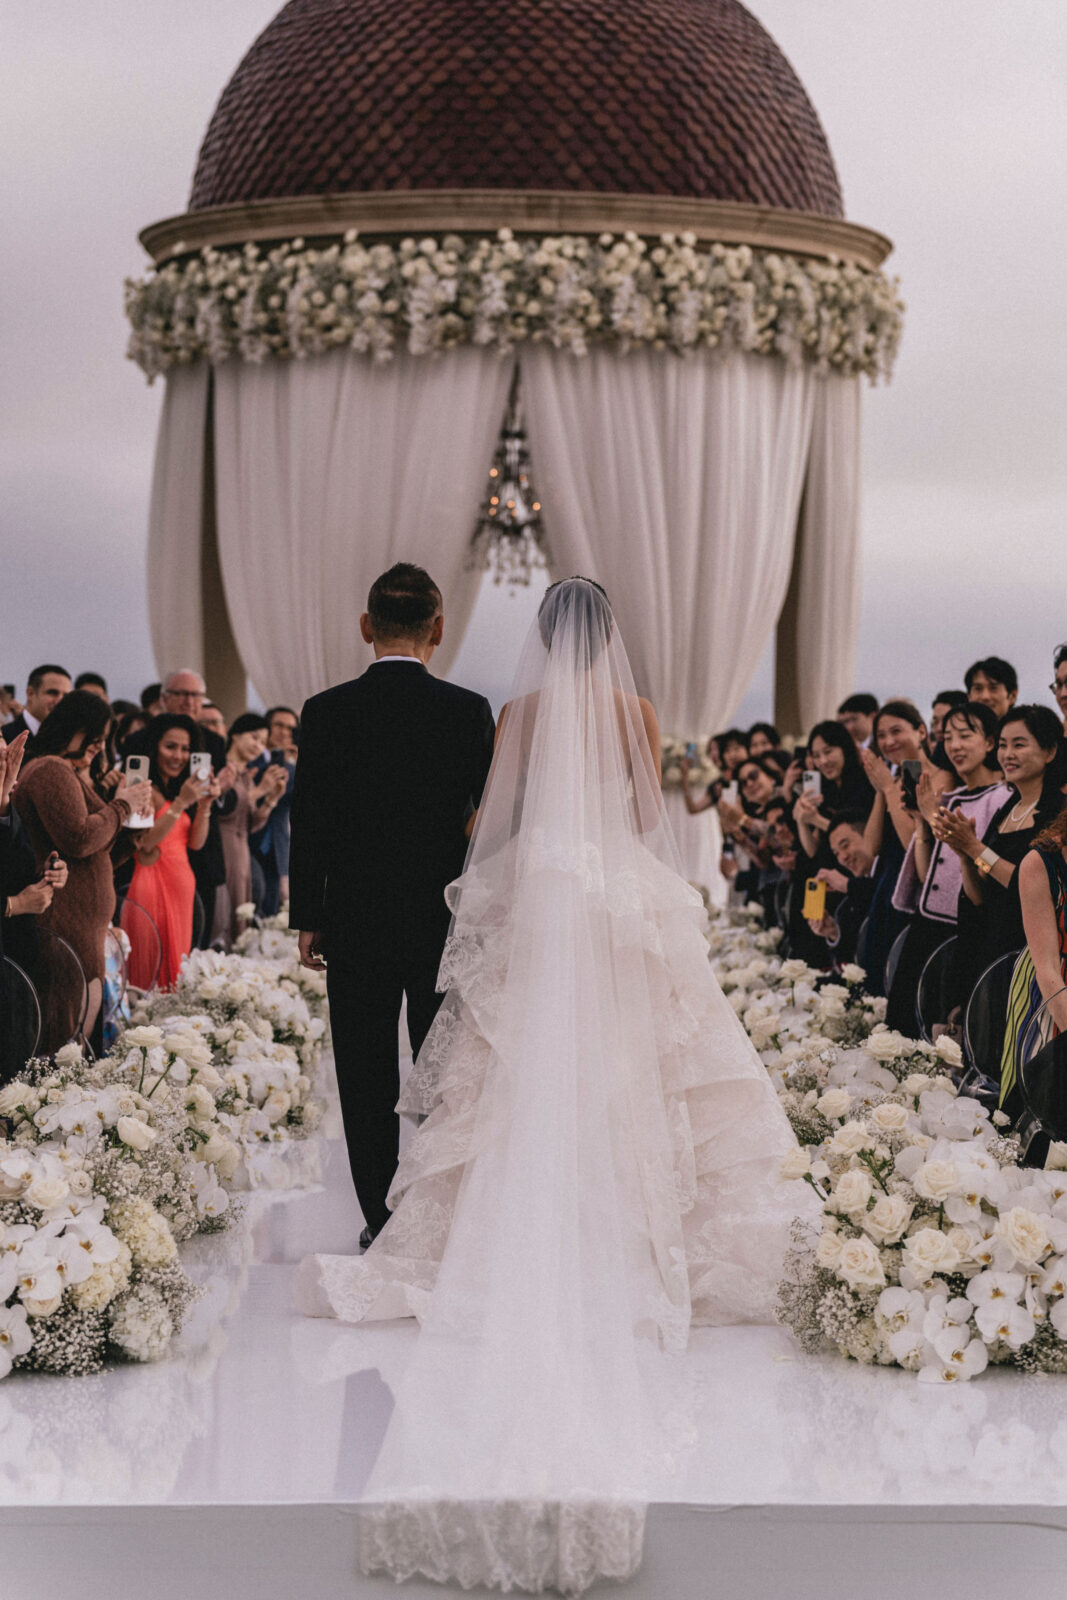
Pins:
x,y
163,884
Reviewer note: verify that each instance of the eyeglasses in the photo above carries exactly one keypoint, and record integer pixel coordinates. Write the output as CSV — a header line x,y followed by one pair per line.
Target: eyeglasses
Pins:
x,y
1057,684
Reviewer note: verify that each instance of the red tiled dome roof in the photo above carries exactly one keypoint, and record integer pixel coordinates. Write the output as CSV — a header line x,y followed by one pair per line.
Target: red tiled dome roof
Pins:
x,y
670,97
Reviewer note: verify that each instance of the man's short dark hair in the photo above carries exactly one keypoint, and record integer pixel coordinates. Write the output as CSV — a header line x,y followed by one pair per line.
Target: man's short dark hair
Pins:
x,y
150,694
996,669
950,697
275,711
39,674
849,818
861,705
403,603
83,680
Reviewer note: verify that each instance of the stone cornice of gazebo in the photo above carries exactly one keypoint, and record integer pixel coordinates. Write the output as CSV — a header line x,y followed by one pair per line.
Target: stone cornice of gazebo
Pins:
x,y
481,211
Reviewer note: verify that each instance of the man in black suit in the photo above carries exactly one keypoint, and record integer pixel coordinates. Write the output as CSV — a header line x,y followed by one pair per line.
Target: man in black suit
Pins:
x,y
391,767
45,688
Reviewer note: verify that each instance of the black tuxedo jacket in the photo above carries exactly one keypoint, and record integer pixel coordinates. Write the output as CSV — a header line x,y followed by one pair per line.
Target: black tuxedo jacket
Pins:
x,y
390,767
11,730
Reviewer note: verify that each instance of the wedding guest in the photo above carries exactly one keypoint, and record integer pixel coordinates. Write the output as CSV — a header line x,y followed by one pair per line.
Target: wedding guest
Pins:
x,y
24,896
151,699
270,846
865,882
1041,977
945,701
93,683
1058,686
163,883
900,735
732,748
45,688
763,739
183,693
745,824
212,719
856,716
930,880
845,787
257,793
1030,752
994,682
62,813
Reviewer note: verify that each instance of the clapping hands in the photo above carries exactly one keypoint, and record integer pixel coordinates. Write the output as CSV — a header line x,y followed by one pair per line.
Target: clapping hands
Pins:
x,y
10,763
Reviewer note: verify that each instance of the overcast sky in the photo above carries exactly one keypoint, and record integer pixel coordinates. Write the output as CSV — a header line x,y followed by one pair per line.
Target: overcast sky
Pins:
x,y
948,122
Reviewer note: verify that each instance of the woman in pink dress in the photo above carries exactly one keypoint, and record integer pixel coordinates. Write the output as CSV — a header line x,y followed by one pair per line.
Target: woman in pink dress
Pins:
x,y
163,884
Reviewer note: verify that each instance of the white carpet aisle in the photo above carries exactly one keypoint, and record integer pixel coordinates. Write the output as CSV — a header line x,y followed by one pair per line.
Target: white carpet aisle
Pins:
x,y
234,1469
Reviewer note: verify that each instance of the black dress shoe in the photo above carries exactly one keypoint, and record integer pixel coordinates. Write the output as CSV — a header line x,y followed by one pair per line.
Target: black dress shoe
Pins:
x,y
366,1239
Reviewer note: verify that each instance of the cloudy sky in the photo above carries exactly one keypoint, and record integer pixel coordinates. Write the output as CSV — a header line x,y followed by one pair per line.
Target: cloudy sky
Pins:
x,y
948,122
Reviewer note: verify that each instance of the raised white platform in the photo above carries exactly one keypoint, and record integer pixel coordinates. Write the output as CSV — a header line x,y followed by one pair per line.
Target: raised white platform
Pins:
x,y
234,1469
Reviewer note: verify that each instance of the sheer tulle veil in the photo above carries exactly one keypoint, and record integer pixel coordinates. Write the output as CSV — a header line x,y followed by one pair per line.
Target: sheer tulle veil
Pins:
x,y
533,1415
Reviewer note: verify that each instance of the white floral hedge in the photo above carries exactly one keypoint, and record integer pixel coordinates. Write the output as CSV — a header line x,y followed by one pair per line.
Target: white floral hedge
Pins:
x,y
107,1168
435,293
937,1251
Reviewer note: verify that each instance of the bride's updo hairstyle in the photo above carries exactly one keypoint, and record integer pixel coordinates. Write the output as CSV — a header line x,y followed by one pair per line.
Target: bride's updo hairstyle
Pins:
x,y
584,601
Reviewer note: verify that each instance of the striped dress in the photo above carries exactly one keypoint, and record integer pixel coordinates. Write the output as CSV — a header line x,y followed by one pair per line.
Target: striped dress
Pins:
x,y
1024,998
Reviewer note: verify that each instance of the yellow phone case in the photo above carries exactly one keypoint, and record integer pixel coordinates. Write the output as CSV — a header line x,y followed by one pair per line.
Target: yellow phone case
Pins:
x,y
815,899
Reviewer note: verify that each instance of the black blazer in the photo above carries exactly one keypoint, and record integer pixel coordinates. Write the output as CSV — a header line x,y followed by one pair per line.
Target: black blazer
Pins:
x,y
391,765
11,730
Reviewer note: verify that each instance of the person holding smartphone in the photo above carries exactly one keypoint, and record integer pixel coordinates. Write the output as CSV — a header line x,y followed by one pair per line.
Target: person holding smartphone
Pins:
x,y
63,813
163,883
258,790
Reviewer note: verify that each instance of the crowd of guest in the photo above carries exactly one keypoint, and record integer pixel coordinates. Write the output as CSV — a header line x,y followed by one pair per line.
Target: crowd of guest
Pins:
x,y
129,832
925,847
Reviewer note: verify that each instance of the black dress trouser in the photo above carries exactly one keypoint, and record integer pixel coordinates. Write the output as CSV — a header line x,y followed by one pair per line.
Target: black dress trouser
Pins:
x,y
366,984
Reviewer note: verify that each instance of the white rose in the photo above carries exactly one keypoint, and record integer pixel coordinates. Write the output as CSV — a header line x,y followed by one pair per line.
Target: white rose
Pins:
x,y
850,1139
1025,1235
852,973
198,1102
929,1251
44,1193
277,1105
835,1103
143,1038
860,1265
852,1191
890,1116
937,1180
887,1218
245,911
949,1050
885,1045
793,971
135,1134
795,1164
828,1250
916,1083
69,1055
236,992
13,1095
1056,1160
42,1308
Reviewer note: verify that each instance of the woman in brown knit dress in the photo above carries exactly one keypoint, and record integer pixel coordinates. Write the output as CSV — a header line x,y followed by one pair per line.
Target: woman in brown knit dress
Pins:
x,y
62,812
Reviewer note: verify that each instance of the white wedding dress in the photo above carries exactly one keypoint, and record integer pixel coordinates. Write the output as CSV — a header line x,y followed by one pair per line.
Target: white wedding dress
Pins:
x,y
597,1168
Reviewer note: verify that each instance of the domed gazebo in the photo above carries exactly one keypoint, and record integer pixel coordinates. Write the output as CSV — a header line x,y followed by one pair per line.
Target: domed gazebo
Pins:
x,y
393,205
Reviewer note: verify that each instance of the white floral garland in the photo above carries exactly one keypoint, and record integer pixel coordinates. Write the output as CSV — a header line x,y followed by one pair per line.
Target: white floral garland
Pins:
x,y
569,291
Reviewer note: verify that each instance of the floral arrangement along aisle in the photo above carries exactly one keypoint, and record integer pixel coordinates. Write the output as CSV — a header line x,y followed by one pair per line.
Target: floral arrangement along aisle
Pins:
x,y
108,1167
938,1252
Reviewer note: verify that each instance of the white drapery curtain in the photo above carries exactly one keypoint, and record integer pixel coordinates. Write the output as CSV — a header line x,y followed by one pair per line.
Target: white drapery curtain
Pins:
x,y
677,484
328,471
825,591
175,520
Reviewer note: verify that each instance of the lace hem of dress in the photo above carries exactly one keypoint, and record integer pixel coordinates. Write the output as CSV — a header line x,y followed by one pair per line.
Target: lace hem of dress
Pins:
x,y
532,1545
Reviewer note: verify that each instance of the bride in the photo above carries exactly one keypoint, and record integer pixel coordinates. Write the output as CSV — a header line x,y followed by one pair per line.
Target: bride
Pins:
x,y
597,1165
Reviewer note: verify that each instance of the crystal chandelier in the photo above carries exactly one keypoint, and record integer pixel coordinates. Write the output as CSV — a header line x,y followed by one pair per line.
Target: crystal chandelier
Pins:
x,y
508,540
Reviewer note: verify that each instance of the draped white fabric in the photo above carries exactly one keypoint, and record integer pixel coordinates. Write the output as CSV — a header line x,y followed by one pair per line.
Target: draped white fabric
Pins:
x,y
328,471
175,599
677,484
827,578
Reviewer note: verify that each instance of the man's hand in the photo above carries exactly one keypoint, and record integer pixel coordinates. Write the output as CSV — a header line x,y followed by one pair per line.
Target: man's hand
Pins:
x,y
836,882
824,927
309,952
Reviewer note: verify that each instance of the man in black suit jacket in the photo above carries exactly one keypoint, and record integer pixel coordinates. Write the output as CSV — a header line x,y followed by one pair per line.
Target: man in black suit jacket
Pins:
x,y
45,688
391,767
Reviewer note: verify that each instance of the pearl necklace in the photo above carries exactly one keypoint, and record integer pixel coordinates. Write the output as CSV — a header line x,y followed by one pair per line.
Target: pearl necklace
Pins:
x,y
1023,815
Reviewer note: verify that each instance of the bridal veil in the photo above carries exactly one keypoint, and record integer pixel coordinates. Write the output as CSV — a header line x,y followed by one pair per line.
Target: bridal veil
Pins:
x,y
597,1167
